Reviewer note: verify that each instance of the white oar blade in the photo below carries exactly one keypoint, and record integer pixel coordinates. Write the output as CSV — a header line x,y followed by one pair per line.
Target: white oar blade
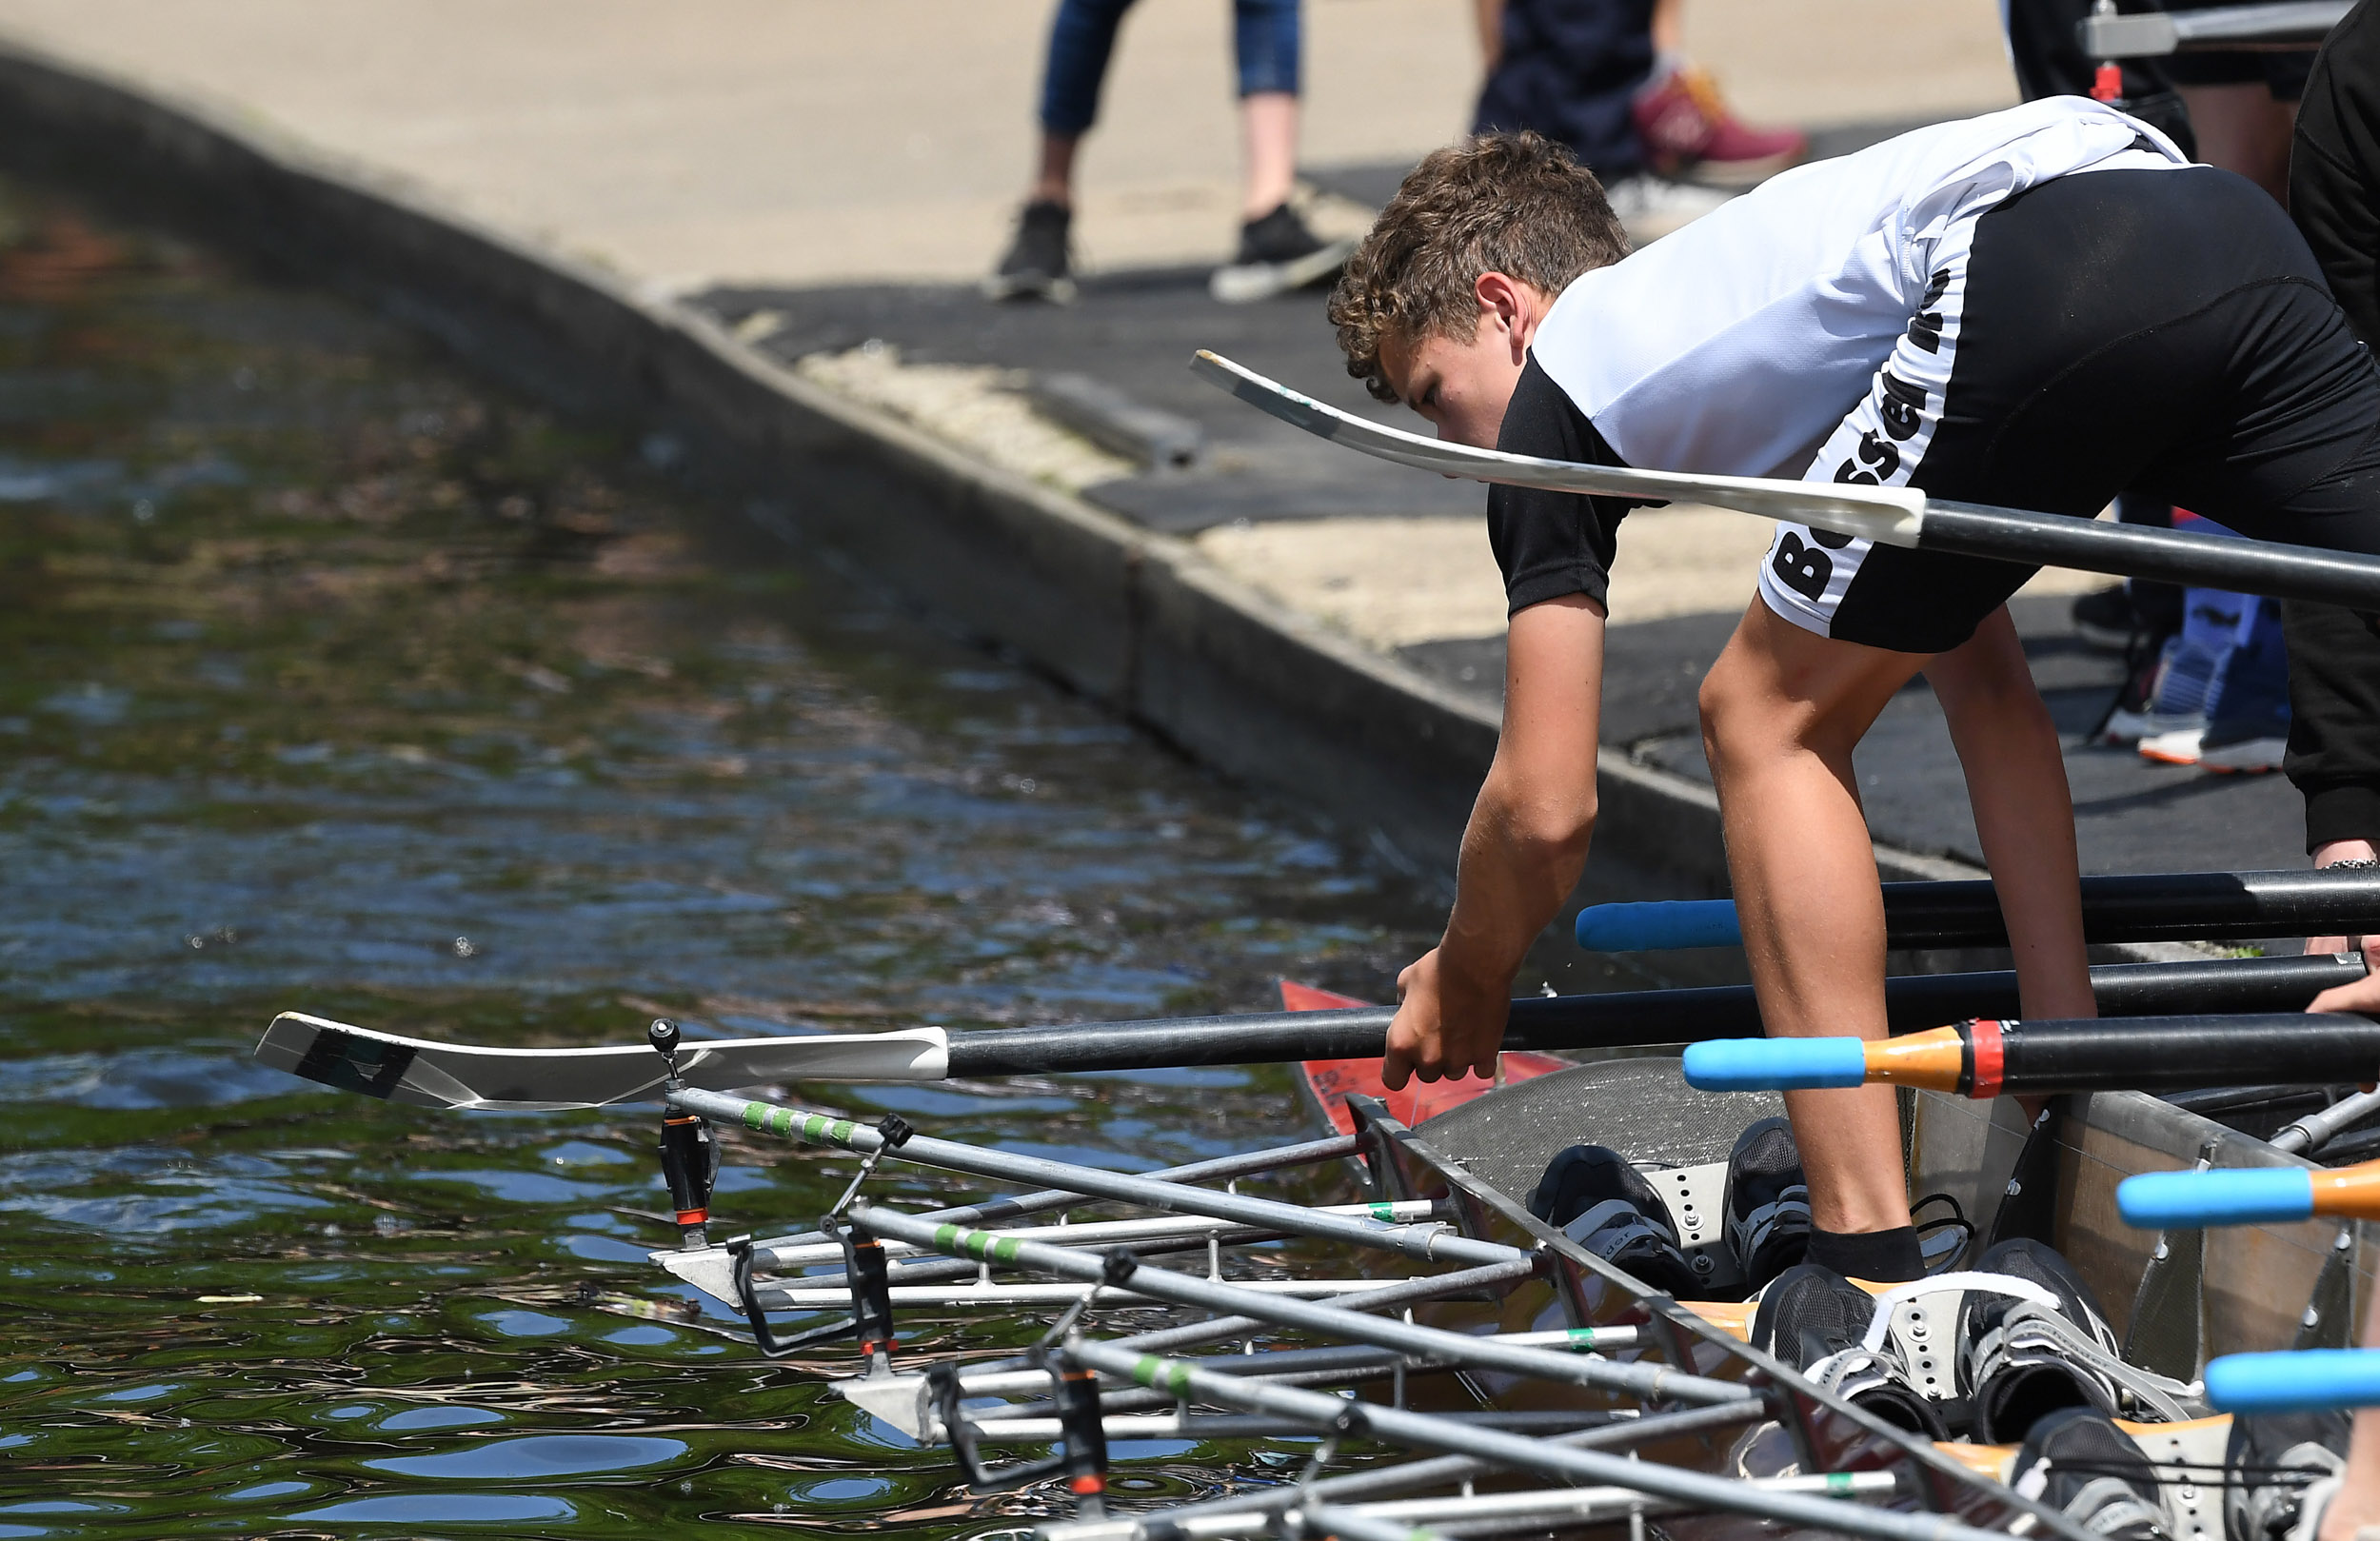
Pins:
x,y
1890,515
432,1075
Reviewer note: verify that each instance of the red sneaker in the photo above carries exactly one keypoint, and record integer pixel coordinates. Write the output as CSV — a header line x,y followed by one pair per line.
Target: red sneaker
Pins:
x,y
1688,131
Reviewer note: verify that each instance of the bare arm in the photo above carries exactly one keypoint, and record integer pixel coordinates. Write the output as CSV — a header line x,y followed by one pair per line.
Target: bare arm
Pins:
x,y
1490,16
1522,851
2024,815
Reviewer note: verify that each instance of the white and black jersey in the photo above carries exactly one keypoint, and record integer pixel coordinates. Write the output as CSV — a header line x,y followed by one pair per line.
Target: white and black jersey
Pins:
x,y
1958,309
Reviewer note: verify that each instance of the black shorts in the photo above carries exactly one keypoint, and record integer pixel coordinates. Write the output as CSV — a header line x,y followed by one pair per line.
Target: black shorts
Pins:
x,y
2165,331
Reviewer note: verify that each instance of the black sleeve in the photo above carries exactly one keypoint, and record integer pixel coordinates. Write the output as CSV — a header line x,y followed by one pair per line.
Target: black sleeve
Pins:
x,y
1552,544
2335,166
2334,658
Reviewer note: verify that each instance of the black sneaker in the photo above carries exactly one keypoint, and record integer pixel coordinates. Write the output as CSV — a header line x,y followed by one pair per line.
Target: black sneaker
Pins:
x,y
1814,1319
2079,1462
1035,266
2279,1471
1277,255
1605,1205
2105,618
1768,1202
2021,1361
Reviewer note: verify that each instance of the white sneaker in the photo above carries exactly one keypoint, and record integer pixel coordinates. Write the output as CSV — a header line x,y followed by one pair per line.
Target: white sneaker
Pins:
x,y
1652,207
2179,747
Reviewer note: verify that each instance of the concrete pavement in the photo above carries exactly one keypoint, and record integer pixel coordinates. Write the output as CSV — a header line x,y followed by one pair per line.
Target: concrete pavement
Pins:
x,y
805,141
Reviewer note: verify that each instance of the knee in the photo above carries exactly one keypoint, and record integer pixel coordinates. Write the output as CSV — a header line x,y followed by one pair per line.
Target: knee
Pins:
x,y
1732,713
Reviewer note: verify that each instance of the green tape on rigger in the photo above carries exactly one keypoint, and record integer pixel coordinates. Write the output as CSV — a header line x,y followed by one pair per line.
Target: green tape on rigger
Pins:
x,y
755,1117
1839,1482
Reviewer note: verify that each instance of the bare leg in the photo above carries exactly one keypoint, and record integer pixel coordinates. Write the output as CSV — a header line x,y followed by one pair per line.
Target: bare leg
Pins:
x,y
1053,180
1488,15
2242,129
1781,711
2358,1500
2008,748
1668,28
1269,119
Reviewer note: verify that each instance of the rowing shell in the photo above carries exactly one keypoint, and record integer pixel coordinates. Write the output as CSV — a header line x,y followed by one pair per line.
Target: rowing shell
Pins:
x,y
1326,1084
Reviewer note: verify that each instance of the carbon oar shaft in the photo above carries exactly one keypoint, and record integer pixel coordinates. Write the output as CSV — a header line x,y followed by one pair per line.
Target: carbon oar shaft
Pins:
x,y
1628,1019
1988,1058
1895,516
2173,906
2267,568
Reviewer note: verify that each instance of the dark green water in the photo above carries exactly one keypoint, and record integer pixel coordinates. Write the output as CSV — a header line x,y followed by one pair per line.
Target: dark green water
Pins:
x,y
335,681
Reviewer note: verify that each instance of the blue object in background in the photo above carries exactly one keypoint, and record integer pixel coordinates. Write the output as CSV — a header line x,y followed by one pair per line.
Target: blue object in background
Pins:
x,y
2188,1200
1775,1064
2306,1381
1659,926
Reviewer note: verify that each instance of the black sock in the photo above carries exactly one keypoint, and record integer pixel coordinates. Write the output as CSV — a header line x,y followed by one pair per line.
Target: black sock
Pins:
x,y
1878,1257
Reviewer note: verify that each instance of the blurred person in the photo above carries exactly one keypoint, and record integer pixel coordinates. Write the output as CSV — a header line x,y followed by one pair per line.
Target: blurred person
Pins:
x,y
1610,80
2334,658
2234,110
2333,754
1277,251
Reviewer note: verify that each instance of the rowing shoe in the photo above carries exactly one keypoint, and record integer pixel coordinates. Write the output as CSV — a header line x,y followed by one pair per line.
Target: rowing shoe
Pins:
x,y
1890,516
431,1074
1987,1059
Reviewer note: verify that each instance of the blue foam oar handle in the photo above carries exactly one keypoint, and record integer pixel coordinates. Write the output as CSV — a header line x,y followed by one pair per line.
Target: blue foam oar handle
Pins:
x,y
1659,927
2187,1200
2306,1381
1775,1064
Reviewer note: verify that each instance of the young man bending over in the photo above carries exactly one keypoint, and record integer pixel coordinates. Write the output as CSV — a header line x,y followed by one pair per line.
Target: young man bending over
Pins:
x,y
2032,308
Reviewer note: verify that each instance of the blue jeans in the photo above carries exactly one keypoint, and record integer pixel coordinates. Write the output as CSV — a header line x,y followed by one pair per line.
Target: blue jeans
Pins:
x,y
1264,34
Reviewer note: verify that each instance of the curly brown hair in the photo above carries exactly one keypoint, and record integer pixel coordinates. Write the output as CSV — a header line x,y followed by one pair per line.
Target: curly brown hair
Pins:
x,y
1516,203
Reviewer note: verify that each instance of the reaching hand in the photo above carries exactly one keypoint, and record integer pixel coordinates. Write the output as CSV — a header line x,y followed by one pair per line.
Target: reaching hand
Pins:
x,y
1447,1025
2362,996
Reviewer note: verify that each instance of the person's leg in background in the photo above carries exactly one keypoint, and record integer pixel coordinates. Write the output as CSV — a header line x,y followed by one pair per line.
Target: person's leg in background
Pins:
x,y
2243,125
2132,617
1569,69
2047,54
1266,41
1082,39
1686,128
1277,251
2242,105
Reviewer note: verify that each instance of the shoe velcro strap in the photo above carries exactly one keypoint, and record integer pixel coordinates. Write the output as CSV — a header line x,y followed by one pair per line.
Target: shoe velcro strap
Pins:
x,y
1618,1222
1753,1230
1970,1282
2028,1335
1849,1371
2313,1505
2113,1507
